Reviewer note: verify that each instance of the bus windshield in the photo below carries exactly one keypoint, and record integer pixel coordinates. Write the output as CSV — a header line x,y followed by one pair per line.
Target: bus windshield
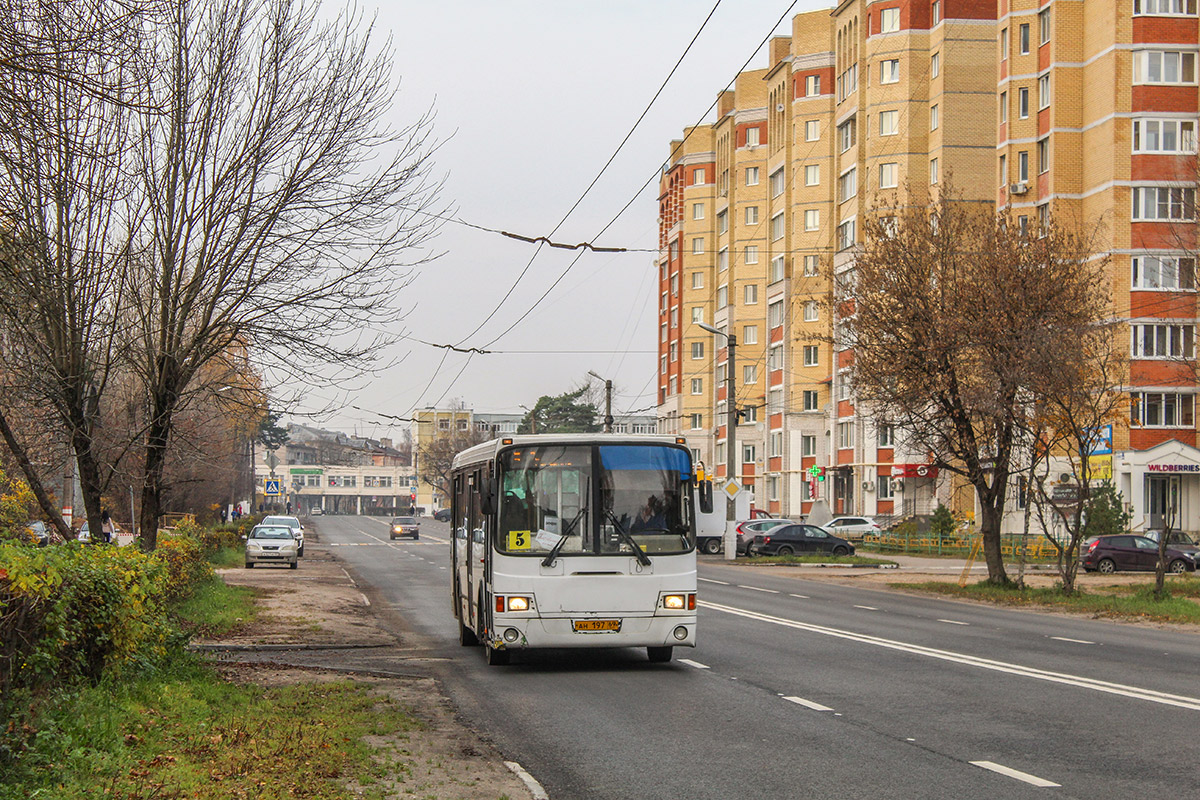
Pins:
x,y
595,500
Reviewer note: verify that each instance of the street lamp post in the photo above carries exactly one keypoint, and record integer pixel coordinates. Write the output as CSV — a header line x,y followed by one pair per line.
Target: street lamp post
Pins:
x,y
730,440
608,418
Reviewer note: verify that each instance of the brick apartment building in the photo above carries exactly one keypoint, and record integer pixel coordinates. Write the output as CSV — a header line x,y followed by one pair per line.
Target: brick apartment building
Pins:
x,y
1084,109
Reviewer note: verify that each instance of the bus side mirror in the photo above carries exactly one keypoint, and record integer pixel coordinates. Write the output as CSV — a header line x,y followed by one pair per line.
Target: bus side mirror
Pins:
x,y
704,493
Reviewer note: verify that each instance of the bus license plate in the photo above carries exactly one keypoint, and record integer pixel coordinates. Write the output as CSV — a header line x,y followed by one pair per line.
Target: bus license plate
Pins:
x,y
588,625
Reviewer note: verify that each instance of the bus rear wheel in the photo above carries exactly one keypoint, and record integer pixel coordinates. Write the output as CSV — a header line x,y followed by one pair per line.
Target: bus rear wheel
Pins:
x,y
659,655
712,546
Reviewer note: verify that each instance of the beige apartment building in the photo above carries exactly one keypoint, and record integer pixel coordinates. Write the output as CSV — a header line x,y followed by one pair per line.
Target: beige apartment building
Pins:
x,y
1080,109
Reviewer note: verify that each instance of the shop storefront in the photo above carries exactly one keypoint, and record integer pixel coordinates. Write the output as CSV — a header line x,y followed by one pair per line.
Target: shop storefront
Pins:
x,y
1161,486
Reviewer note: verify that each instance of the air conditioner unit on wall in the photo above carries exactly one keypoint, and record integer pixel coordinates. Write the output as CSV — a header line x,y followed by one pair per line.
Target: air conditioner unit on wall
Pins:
x,y
897,484
1018,188
868,486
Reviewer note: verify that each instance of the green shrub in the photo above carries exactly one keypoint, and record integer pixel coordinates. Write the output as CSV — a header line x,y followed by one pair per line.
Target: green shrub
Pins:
x,y
185,563
942,524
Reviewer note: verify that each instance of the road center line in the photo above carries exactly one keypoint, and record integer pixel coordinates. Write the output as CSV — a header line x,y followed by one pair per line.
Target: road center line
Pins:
x,y
710,580
1072,641
1033,780
695,664
953,622
800,701
757,589
1136,693
801,596
867,608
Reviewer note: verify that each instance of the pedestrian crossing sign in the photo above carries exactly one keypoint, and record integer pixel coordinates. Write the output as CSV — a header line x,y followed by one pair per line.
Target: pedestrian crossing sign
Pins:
x,y
272,488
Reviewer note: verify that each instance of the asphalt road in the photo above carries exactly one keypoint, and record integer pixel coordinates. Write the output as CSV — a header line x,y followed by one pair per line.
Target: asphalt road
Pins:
x,y
805,689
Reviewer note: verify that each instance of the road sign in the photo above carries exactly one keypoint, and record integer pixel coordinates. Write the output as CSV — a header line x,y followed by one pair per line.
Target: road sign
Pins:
x,y
272,488
731,489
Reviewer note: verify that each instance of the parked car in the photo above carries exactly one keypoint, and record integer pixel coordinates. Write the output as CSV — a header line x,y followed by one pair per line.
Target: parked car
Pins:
x,y
852,527
405,526
795,538
442,515
291,522
39,533
1179,541
747,529
272,544
1108,554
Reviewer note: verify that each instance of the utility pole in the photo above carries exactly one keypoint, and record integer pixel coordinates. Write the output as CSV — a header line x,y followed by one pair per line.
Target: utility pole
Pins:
x,y
730,439
608,417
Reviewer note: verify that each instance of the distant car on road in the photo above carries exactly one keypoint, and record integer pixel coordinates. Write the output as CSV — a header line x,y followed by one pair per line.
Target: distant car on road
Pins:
x,y
272,544
442,515
405,526
291,522
747,529
792,539
851,527
316,512
1108,554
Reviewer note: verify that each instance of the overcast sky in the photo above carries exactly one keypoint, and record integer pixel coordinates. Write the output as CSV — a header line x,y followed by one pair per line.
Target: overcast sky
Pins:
x,y
531,100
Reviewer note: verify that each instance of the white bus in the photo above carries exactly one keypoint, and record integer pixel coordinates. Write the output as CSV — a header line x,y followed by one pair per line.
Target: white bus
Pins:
x,y
574,540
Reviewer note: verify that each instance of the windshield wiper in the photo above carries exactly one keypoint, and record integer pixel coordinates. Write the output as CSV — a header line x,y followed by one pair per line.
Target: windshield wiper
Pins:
x,y
642,558
549,559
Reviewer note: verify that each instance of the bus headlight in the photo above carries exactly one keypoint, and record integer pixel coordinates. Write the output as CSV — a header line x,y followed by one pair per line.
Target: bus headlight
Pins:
x,y
518,604
675,602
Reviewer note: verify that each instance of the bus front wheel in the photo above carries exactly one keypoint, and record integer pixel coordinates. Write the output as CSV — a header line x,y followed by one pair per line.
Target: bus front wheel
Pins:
x,y
495,656
660,654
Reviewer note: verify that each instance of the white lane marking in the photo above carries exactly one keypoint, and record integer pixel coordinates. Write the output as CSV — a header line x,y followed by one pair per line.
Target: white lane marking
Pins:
x,y
757,589
800,701
801,596
953,622
1147,695
867,608
440,567
691,663
1033,780
366,602
710,580
530,782
1072,641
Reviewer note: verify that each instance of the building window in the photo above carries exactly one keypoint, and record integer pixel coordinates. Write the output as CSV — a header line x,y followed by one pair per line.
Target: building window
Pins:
x,y
812,130
749,334
775,358
812,311
723,221
697,210
1044,92
933,170
1164,272
809,401
443,425
775,314
697,280
722,296
777,227
698,176
808,445
1043,151
812,355
750,373
889,70
1161,410
845,234
1164,66
812,86
1044,26
1165,8
777,183
752,137
697,314
697,246
723,259
697,385
663,329
776,269
697,420
889,123
845,434
751,215
889,20
936,11
1023,35
752,176
1163,203
883,487
889,175
750,294
1023,166
751,254
697,350
846,135
749,453
662,364
812,174
933,117
1004,44
812,265
812,219
848,184
1164,136
1003,169
935,65
675,285
1023,103
675,317
1162,341
1003,107
847,82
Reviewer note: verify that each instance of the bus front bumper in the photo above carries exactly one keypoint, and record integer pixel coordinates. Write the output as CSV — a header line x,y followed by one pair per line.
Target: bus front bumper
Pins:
x,y
519,631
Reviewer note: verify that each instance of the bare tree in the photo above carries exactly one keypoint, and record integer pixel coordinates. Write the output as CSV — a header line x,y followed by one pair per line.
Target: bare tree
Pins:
x,y
277,206
952,312
435,458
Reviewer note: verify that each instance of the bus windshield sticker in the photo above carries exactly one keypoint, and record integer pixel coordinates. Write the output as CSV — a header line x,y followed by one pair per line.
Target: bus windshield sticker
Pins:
x,y
547,539
519,540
